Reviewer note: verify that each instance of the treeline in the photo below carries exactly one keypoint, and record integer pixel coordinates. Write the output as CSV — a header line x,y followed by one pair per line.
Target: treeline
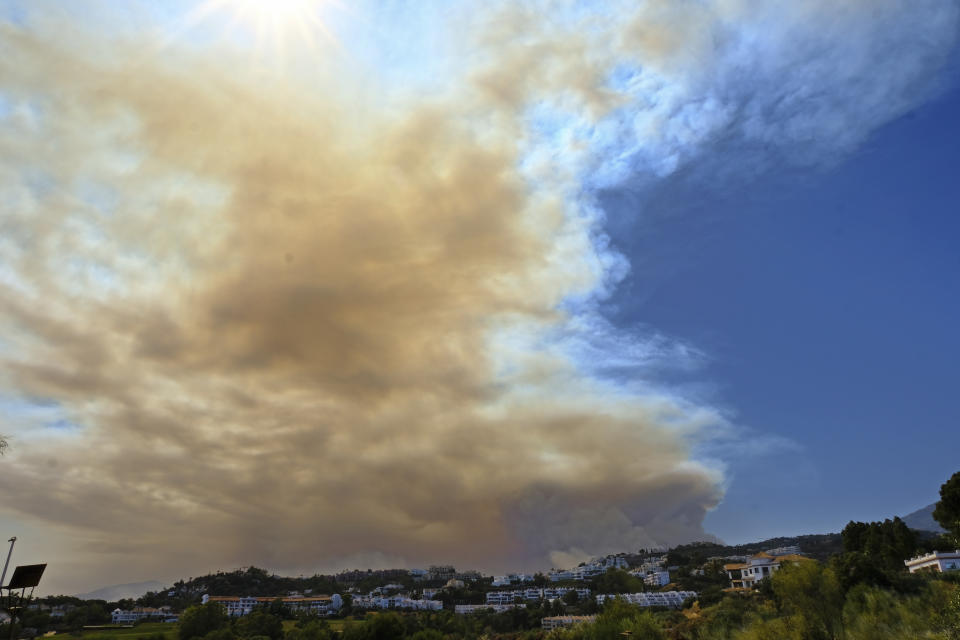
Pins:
x,y
817,546
82,613
210,622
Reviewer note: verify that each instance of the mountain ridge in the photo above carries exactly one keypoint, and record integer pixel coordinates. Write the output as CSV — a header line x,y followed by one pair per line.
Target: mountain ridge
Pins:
x,y
922,519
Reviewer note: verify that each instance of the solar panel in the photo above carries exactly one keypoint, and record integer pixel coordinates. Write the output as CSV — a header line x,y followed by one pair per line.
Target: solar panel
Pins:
x,y
26,576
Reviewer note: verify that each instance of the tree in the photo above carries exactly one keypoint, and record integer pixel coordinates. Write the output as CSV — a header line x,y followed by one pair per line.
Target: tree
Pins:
x,y
617,581
312,630
259,622
386,626
952,617
947,511
620,619
92,613
810,596
199,620
874,553
3,444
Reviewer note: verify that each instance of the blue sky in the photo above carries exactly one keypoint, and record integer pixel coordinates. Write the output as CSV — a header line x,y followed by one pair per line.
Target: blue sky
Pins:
x,y
504,287
827,301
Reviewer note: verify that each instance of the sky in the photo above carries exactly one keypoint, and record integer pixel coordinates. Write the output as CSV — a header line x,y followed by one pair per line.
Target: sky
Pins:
x,y
318,285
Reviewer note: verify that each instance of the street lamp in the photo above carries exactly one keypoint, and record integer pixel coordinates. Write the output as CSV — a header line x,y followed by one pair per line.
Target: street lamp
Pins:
x,y
7,563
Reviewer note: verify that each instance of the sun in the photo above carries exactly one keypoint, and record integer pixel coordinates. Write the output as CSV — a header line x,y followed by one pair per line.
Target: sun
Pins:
x,y
273,24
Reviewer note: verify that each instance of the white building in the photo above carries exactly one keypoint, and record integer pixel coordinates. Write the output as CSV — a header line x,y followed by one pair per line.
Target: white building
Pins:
x,y
671,599
746,575
591,569
388,587
549,593
120,616
503,597
937,561
557,576
657,578
372,601
242,605
557,593
555,622
504,581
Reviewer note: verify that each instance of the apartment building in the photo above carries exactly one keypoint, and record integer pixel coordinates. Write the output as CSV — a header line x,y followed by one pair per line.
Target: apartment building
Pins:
x,y
372,601
131,616
591,569
671,599
549,593
657,578
242,605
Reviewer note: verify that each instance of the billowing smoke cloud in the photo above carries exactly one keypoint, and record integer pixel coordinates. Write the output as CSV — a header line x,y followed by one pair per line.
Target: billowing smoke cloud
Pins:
x,y
281,322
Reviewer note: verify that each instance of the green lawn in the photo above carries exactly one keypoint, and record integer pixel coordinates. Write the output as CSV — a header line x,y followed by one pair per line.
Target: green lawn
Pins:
x,y
335,625
340,625
145,630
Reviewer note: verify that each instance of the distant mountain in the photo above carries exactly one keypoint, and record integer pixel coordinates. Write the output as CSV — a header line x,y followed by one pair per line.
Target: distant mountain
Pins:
x,y
119,591
922,519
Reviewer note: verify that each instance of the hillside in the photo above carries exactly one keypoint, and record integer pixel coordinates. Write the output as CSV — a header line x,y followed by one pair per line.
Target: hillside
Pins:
x,y
817,546
120,591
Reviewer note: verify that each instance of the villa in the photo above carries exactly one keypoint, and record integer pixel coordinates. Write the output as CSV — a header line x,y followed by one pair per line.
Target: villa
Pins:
x,y
938,561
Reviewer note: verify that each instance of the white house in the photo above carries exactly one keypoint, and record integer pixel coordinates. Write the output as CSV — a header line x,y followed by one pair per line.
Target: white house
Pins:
x,y
937,561
746,575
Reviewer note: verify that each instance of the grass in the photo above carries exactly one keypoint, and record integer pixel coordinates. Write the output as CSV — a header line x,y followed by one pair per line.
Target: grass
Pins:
x,y
340,625
147,631
335,625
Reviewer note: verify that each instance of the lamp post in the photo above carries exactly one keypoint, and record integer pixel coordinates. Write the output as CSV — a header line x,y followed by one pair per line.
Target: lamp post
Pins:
x,y
7,563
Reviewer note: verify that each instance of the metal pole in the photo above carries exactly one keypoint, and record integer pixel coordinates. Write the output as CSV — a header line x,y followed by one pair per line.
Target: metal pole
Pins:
x,y
7,563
